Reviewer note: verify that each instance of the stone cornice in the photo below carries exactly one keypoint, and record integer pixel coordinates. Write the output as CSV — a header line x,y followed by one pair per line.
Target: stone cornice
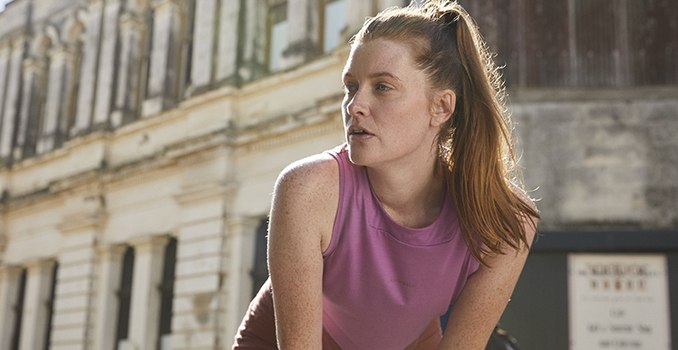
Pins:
x,y
254,136
319,119
83,221
334,60
129,172
202,191
267,133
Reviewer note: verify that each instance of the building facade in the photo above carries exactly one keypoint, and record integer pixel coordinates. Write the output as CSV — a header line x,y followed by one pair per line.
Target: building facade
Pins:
x,y
140,140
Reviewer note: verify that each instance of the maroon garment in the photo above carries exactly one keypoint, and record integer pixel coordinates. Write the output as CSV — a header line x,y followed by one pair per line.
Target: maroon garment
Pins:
x,y
257,330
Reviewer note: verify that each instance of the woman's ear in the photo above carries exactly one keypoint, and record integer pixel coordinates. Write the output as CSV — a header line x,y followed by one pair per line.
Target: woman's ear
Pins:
x,y
442,107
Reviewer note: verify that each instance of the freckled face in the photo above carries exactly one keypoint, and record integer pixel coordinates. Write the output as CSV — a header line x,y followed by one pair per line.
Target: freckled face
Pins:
x,y
386,109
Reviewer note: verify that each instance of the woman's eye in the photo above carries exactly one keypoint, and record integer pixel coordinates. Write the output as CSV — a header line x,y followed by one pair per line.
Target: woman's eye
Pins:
x,y
350,88
383,87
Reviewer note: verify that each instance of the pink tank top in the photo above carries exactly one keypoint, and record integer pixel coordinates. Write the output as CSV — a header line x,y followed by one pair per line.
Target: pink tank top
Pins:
x,y
383,283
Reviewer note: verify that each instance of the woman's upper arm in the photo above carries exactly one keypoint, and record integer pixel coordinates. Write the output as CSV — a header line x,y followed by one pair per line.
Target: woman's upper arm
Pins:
x,y
302,213
484,298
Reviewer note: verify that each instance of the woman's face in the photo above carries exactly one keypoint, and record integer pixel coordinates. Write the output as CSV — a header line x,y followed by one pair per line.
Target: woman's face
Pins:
x,y
386,106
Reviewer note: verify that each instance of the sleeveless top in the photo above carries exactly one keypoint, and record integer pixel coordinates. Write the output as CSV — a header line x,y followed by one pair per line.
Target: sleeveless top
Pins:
x,y
383,283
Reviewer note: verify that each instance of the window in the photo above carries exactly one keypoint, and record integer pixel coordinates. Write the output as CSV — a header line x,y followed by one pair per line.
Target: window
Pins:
x,y
148,56
35,99
50,306
19,310
277,39
125,295
187,46
167,290
334,22
260,270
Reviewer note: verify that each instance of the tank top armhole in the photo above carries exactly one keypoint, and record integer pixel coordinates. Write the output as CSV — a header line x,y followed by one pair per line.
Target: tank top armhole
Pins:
x,y
334,239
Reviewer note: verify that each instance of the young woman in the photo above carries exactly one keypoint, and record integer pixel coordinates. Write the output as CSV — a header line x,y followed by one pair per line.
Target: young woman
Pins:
x,y
420,209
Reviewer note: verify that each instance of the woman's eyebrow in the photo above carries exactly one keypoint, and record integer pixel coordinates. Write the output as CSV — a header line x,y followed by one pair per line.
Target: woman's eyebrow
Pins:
x,y
373,75
383,74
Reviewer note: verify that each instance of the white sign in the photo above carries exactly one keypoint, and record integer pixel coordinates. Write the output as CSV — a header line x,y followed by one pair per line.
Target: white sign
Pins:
x,y
618,301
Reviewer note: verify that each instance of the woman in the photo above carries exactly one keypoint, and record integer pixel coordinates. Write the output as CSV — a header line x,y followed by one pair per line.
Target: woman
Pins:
x,y
420,209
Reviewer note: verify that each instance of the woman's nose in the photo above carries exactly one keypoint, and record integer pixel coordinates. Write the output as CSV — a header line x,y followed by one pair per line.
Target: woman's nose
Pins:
x,y
357,105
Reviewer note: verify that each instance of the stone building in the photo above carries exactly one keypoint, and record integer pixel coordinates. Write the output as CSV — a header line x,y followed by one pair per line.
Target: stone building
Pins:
x,y
140,140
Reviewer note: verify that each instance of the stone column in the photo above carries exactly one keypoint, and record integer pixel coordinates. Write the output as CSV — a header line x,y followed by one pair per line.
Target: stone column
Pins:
x,y
9,284
199,287
5,50
229,37
303,18
133,35
165,57
105,319
356,12
57,96
12,97
88,73
83,220
34,321
145,307
240,241
106,75
31,107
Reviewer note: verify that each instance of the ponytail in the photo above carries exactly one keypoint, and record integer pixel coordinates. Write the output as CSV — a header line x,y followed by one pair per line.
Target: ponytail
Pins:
x,y
484,179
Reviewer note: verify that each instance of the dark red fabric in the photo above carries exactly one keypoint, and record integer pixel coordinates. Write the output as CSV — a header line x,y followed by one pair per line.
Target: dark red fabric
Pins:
x,y
257,330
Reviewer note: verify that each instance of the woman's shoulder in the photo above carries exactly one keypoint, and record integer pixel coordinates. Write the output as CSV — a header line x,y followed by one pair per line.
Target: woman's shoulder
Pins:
x,y
312,178
306,196
317,169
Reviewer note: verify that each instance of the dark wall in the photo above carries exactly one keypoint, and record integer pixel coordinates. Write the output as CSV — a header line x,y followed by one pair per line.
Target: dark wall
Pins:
x,y
538,312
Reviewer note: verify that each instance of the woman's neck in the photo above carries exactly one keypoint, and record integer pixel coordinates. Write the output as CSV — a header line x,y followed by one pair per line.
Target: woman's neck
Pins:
x,y
412,197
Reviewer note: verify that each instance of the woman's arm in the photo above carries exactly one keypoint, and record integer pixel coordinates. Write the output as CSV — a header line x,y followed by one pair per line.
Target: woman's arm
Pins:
x,y
302,215
484,298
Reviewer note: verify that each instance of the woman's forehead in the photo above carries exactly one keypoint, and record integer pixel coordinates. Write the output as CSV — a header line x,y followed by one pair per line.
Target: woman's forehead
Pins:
x,y
379,55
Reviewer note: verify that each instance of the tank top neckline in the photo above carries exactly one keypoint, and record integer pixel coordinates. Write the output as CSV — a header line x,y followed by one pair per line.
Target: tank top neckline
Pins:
x,y
394,224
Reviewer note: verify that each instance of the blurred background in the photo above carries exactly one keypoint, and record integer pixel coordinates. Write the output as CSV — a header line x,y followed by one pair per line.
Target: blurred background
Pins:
x,y
140,140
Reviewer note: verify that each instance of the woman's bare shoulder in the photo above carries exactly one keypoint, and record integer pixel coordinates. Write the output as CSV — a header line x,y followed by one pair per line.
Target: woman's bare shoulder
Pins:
x,y
308,190
305,201
309,176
